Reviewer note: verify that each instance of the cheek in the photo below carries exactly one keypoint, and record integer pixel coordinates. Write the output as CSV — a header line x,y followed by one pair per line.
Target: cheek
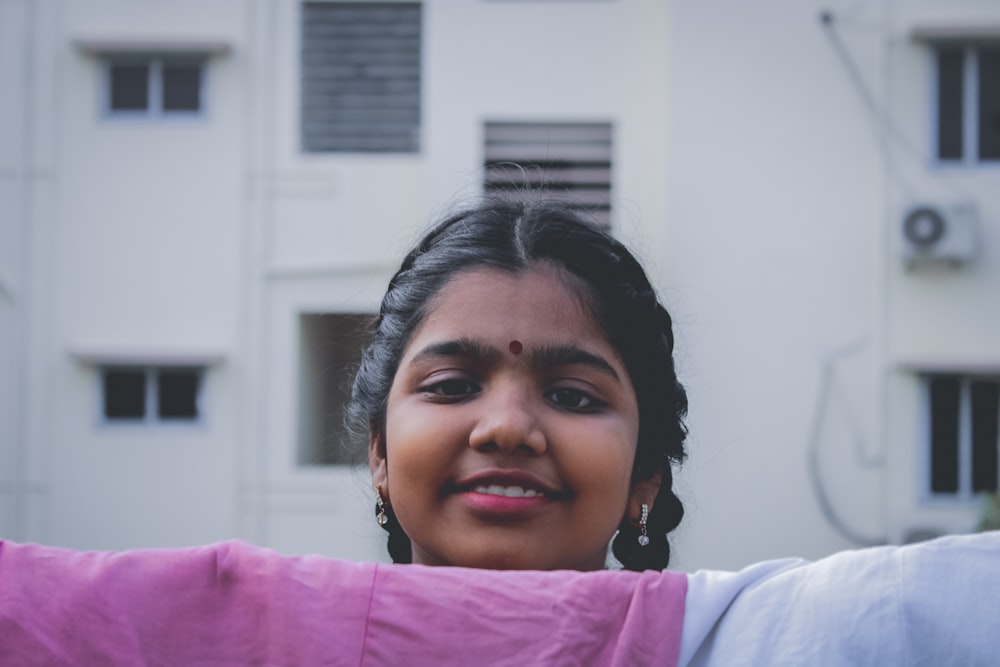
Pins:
x,y
599,459
418,450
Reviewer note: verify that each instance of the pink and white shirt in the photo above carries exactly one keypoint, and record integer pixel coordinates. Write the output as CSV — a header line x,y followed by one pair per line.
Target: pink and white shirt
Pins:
x,y
235,604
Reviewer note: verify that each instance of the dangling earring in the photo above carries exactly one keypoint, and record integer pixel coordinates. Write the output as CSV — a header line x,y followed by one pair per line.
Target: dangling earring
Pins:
x,y
380,515
643,519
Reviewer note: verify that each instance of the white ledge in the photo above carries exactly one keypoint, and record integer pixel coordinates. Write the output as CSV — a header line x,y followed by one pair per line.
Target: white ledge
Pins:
x,y
968,366
957,32
114,356
133,44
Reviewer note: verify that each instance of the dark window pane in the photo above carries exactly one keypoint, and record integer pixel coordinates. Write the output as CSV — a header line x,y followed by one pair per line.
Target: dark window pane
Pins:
x,y
985,402
181,87
330,348
989,103
129,87
124,393
950,71
944,395
178,393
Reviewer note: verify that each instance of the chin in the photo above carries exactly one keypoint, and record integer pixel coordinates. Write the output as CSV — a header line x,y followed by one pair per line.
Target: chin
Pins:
x,y
496,559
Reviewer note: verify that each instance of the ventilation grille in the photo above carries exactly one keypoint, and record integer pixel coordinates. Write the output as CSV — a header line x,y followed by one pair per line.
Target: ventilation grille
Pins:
x,y
360,77
572,161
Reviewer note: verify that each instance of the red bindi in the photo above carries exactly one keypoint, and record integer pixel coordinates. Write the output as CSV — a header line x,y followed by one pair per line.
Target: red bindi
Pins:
x,y
515,347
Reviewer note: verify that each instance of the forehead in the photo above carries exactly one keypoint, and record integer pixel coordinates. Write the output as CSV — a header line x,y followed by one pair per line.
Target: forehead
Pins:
x,y
539,302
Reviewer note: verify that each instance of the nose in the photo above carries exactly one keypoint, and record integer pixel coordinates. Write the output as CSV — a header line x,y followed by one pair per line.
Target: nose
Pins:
x,y
509,422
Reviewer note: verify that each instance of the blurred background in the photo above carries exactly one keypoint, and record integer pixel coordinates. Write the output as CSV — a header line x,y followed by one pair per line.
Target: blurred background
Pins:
x,y
201,200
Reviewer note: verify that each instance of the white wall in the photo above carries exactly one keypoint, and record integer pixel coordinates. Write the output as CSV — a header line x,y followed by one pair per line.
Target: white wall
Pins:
x,y
207,238
747,173
26,159
11,271
337,224
937,318
785,205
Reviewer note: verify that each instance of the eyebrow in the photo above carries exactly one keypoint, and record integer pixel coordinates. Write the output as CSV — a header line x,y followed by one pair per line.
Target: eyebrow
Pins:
x,y
566,355
544,357
469,348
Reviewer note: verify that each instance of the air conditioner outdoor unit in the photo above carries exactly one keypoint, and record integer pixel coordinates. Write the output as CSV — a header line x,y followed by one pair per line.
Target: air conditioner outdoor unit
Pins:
x,y
940,232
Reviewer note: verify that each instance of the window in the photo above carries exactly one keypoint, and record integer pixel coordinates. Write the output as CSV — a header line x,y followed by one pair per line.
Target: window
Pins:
x,y
150,394
153,86
968,103
962,429
571,160
360,77
330,349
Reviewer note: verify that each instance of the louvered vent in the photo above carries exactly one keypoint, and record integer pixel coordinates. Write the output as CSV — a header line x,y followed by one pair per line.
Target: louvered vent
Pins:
x,y
572,161
360,77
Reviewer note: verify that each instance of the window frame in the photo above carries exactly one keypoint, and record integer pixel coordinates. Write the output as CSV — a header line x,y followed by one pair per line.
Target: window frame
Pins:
x,y
970,105
965,494
155,63
151,418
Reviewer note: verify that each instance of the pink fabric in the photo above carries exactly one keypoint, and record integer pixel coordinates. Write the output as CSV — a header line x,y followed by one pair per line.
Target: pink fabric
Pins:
x,y
235,604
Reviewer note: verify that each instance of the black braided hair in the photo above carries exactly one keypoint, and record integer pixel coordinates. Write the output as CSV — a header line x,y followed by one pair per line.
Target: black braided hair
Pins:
x,y
512,233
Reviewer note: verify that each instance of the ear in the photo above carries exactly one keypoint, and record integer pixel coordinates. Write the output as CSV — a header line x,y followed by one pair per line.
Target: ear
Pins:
x,y
643,492
376,462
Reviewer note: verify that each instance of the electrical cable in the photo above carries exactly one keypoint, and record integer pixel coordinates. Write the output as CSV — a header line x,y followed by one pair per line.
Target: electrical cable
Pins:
x,y
827,380
888,131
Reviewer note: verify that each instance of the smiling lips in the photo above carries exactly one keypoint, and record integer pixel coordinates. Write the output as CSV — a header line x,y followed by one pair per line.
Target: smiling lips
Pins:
x,y
505,495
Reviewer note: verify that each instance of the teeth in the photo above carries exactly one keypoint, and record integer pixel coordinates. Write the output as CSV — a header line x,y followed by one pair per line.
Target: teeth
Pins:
x,y
508,491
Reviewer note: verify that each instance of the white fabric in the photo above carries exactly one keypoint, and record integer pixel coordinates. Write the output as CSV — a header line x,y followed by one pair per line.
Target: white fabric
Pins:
x,y
932,604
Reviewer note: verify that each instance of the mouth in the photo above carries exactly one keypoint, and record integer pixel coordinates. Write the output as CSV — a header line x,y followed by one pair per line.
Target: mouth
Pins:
x,y
501,491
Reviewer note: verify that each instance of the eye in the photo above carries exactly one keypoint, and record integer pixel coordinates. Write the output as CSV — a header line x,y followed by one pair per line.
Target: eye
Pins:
x,y
452,388
573,399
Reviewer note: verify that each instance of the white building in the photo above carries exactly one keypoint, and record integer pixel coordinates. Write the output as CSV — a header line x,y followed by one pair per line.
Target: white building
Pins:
x,y
197,199
797,147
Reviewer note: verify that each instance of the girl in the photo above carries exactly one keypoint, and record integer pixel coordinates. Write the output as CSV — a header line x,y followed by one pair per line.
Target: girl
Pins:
x,y
520,397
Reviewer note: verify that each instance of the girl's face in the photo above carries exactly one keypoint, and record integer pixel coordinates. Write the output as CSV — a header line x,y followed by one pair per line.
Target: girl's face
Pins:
x,y
511,429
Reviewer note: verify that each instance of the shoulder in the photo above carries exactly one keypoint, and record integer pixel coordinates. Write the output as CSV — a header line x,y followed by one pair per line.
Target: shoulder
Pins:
x,y
919,604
